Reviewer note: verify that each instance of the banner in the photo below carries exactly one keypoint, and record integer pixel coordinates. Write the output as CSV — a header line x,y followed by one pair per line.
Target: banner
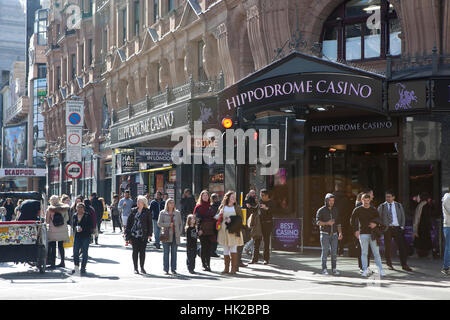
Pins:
x,y
23,172
286,235
15,146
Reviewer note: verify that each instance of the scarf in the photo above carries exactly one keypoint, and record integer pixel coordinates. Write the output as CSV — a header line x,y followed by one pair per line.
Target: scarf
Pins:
x,y
201,210
136,230
417,216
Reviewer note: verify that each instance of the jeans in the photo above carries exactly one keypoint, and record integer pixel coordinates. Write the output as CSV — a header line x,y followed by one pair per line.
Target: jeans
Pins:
x,y
116,222
139,246
191,254
51,258
80,244
447,247
172,247
365,240
328,242
156,232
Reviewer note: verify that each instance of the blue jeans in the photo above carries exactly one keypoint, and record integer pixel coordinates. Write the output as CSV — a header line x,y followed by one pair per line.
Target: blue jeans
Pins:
x,y
328,242
365,240
156,232
172,246
81,244
447,247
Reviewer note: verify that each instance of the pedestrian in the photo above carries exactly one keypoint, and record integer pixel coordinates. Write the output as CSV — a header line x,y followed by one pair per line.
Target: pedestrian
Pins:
x,y
254,223
156,206
267,207
57,218
215,207
105,209
73,209
187,204
138,230
422,225
364,220
446,231
93,216
191,242
125,205
16,213
327,217
204,214
9,206
344,206
3,213
230,234
115,213
250,204
357,244
165,196
170,219
393,220
99,209
82,227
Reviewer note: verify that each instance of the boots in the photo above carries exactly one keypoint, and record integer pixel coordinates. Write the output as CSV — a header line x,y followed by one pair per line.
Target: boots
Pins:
x,y
234,263
227,264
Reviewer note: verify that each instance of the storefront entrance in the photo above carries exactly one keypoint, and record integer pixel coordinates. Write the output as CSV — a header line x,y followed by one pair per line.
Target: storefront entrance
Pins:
x,y
349,168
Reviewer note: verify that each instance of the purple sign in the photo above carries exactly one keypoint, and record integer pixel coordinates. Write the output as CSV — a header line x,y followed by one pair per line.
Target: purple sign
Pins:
x,y
286,235
407,96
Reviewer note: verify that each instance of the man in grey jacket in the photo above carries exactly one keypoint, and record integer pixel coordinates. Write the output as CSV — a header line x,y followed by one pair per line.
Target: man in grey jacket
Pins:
x,y
446,231
327,217
392,217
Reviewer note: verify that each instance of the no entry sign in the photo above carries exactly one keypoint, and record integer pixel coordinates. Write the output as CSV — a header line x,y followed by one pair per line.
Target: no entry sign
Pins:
x,y
74,170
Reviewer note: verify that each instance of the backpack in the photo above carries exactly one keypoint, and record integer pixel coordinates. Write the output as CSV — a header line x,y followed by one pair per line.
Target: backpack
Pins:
x,y
58,219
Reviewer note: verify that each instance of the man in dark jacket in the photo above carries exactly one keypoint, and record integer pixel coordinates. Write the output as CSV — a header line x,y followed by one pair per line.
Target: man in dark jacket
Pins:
x,y
364,219
327,217
187,205
267,207
156,206
215,207
99,209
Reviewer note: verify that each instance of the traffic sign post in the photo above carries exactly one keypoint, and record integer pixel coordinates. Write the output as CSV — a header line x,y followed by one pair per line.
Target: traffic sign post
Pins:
x,y
74,170
74,129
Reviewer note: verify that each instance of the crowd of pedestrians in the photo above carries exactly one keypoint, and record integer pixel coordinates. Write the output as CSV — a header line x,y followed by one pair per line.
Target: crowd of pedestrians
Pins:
x,y
211,222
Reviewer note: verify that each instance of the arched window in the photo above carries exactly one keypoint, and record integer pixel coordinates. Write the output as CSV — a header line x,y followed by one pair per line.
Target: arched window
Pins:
x,y
361,30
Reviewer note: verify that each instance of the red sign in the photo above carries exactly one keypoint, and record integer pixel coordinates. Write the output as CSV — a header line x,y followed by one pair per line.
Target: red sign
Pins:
x,y
73,170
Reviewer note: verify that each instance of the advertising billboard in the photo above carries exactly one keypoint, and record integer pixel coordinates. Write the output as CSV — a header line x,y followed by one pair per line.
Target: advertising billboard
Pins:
x,y
14,146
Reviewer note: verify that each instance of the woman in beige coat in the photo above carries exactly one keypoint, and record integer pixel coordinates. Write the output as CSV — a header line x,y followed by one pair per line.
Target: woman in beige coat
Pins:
x,y
229,241
57,233
170,218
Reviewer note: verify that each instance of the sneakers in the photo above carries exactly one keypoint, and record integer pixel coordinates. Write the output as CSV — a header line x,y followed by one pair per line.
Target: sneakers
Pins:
x,y
324,272
361,271
382,273
335,272
365,273
446,272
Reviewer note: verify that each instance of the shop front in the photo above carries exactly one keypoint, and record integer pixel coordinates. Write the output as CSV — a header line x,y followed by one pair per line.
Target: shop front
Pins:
x,y
339,128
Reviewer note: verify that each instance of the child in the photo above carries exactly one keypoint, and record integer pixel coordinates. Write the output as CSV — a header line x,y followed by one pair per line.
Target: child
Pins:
x,y
191,238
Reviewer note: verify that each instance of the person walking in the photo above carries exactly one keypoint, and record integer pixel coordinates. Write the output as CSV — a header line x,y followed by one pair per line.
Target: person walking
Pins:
x,y
357,244
73,209
393,219
204,214
99,209
446,232
191,242
254,223
230,234
82,226
115,213
138,230
57,218
125,205
170,219
251,204
344,206
93,216
187,204
9,206
364,220
422,225
327,217
156,206
267,207
215,207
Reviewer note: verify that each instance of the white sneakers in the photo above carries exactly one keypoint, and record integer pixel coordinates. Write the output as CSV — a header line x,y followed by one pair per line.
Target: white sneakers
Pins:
x,y
368,272
324,272
335,272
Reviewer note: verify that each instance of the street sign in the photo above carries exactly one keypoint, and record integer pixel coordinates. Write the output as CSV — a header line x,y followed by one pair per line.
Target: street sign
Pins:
x,y
74,170
73,143
75,113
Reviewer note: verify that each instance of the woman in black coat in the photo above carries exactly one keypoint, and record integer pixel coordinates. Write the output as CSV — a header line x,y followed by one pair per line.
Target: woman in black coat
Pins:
x,y
138,231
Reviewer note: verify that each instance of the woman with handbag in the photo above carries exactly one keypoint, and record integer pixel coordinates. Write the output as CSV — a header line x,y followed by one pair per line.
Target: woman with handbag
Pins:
x,y
171,226
57,218
228,237
138,231
204,214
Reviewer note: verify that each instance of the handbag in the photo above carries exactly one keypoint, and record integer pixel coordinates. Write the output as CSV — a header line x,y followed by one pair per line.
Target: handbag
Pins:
x,y
165,234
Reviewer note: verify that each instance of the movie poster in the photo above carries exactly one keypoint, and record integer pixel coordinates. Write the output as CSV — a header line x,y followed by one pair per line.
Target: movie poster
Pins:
x,y
15,146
